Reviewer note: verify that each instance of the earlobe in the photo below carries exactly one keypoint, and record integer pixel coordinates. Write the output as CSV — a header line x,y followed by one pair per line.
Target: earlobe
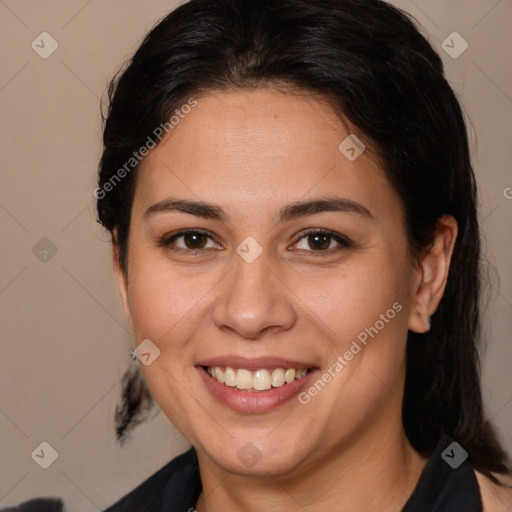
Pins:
x,y
432,275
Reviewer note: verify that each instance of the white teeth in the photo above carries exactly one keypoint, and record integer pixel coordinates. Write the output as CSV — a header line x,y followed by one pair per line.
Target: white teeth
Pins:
x,y
289,375
219,375
243,379
278,377
229,377
260,380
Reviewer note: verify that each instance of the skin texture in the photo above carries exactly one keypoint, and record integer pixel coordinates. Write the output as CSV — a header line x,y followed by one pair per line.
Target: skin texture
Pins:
x,y
494,498
252,153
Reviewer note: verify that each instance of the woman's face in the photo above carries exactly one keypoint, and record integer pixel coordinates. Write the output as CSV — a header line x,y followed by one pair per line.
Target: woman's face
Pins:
x,y
259,292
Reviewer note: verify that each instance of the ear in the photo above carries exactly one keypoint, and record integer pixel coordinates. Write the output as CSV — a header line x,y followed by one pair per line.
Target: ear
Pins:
x,y
432,275
121,280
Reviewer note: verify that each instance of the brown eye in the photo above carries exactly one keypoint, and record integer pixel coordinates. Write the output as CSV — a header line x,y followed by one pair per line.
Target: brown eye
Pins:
x,y
188,241
319,241
194,240
322,241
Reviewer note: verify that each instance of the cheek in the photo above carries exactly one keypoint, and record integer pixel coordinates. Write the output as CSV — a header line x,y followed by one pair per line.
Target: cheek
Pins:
x,y
168,307
353,297
361,311
163,300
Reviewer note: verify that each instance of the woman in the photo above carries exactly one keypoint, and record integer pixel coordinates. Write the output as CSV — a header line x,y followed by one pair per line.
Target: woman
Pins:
x,y
295,241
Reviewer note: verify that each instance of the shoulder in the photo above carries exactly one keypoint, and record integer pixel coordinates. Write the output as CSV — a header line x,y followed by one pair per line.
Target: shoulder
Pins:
x,y
494,497
177,482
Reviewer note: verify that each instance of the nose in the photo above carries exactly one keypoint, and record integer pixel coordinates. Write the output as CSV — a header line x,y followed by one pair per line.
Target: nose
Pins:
x,y
253,300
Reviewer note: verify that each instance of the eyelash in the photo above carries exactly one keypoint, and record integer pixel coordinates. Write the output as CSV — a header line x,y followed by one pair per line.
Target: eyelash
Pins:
x,y
344,241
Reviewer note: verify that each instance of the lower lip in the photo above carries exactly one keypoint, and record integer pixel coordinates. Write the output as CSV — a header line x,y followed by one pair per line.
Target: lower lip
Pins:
x,y
253,402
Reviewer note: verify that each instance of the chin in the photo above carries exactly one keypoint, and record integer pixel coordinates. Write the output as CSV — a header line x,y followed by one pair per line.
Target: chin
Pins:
x,y
259,458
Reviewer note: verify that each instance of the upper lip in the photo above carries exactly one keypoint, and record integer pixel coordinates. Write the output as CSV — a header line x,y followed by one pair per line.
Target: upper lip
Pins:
x,y
254,363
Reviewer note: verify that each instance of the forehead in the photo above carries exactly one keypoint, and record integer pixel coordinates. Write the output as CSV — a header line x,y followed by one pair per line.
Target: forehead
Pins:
x,y
248,147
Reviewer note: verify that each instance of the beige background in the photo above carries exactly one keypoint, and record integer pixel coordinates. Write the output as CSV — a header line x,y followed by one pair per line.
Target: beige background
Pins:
x,y
65,342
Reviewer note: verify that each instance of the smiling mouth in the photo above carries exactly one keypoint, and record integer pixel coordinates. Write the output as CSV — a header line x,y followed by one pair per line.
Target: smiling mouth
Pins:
x,y
259,380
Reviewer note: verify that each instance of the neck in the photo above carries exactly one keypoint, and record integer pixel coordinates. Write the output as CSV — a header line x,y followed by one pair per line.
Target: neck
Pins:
x,y
372,471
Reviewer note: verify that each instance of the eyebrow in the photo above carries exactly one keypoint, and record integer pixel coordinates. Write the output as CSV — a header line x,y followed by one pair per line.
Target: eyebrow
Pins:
x,y
288,212
197,208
